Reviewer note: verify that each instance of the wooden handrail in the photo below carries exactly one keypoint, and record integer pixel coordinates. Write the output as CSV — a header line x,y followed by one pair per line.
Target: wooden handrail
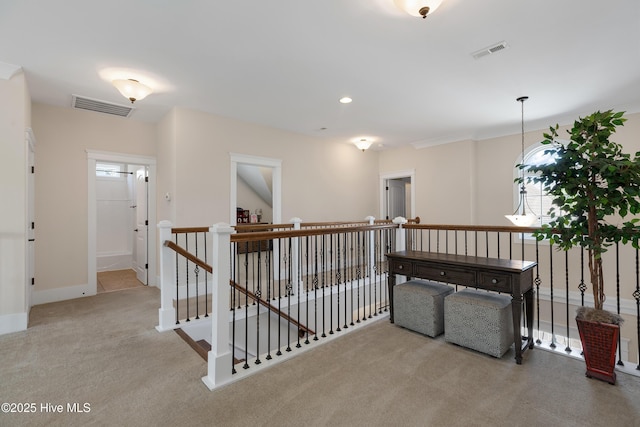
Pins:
x,y
245,228
268,235
483,228
188,255
182,230
302,329
415,220
251,227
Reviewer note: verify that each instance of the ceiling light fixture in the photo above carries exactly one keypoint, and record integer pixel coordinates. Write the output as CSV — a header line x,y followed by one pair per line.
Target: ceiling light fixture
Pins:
x,y
132,89
345,100
523,219
363,144
419,8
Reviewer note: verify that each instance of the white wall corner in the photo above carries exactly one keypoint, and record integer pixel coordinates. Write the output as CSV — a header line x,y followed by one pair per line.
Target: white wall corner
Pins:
x,y
15,322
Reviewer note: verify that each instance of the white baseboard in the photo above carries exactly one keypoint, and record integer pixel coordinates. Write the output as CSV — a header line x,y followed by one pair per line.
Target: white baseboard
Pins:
x,y
61,294
13,323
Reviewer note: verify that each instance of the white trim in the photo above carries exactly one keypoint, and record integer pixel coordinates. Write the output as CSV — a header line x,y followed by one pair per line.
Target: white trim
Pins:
x,y
627,306
15,322
109,156
92,157
411,174
62,294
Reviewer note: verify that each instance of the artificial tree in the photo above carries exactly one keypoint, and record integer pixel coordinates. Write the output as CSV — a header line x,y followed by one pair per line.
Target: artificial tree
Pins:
x,y
595,186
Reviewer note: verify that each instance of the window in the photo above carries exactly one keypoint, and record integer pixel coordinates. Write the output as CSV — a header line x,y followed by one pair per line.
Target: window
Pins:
x,y
109,170
539,202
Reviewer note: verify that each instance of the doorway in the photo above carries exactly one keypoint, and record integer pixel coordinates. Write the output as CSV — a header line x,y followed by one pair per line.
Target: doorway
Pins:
x,y
121,251
397,195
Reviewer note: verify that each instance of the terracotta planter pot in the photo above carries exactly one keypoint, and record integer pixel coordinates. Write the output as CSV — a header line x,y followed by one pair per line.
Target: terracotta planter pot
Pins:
x,y
599,344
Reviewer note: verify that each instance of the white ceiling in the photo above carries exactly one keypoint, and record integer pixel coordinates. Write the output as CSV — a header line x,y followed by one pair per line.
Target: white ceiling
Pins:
x,y
285,63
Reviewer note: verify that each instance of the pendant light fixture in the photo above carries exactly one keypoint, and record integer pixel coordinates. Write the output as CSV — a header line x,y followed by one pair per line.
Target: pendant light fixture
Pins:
x,y
520,217
419,8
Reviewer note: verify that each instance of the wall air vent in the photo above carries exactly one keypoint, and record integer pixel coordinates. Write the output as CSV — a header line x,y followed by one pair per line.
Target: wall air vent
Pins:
x,y
489,50
84,103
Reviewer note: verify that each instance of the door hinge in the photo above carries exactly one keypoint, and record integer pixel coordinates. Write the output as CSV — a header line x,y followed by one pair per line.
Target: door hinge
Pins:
x,y
146,266
33,225
146,222
33,281
33,169
146,179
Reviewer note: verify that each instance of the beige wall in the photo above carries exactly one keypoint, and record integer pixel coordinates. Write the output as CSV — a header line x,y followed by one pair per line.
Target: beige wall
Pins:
x,y
471,182
495,165
14,119
444,180
192,150
319,177
64,135
166,167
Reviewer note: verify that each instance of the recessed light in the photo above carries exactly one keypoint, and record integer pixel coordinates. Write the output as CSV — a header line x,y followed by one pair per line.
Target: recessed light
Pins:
x,y
345,100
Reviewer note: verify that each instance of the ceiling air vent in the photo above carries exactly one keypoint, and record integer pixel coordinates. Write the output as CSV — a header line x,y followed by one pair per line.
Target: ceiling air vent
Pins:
x,y
84,103
489,50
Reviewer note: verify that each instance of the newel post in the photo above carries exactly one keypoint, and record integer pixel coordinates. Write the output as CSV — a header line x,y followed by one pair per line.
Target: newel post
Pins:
x,y
220,361
296,283
166,313
401,237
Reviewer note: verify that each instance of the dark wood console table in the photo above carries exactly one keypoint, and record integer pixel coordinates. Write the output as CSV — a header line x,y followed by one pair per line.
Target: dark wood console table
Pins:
x,y
493,274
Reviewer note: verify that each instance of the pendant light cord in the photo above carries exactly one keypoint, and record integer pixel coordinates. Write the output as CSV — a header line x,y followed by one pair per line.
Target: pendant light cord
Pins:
x,y
522,187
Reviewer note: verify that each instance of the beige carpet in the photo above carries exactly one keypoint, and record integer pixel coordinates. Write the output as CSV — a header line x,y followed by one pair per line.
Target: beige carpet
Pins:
x,y
104,351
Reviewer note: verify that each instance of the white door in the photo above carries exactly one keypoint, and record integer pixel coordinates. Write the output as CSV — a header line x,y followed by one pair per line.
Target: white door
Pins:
x,y
396,198
31,233
140,264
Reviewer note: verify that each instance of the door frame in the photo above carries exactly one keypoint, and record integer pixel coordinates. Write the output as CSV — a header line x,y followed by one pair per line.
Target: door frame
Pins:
x,y
94,156
411,174
30,150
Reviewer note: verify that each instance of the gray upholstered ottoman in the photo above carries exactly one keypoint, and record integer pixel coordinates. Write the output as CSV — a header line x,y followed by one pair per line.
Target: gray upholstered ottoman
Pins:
x,y
479,320
419,305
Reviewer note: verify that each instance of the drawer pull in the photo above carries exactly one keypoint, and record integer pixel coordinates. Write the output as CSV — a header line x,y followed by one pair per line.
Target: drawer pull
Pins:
x,y
442,273
494,281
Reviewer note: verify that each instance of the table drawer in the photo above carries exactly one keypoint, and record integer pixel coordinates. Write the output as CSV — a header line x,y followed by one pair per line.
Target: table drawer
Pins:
x,y
446,274
400,267
494,281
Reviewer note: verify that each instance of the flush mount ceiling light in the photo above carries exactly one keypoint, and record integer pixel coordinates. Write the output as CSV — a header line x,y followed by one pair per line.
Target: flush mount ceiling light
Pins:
x,y
419,8
345,100
132,89
522,219
363,144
